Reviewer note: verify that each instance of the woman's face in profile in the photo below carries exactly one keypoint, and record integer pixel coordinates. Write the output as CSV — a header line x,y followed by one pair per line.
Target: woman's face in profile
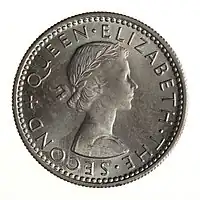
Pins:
x,y
120,86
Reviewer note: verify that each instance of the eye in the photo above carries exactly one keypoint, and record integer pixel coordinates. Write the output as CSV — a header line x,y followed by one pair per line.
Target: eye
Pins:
x,y
127,77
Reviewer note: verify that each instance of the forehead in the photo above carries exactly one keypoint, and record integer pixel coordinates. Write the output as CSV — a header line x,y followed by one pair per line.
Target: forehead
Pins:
x,y
124,65
115,68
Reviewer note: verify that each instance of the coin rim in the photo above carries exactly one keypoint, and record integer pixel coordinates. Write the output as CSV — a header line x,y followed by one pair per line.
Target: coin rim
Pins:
x,y
124,20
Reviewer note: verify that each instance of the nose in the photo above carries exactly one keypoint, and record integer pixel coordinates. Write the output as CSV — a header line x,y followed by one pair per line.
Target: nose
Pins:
x,y
133,84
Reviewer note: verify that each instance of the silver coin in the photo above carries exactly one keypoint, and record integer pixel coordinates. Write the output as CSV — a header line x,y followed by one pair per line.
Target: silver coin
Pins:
x,y
99,99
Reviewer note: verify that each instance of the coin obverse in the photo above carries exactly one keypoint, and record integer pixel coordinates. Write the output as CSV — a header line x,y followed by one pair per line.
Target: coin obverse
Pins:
x,y
99,99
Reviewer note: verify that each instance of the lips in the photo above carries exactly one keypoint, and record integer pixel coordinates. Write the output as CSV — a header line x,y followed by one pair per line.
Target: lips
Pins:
x,y
131,96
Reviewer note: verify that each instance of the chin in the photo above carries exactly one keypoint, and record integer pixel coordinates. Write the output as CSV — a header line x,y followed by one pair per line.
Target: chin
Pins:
x,y
127,106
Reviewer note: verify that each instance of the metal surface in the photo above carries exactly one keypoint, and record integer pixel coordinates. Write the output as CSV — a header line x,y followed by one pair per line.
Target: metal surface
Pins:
x,y
99,99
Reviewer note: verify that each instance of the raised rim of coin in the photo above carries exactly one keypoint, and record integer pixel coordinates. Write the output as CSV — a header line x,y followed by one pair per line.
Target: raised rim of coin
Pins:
x,y
49,34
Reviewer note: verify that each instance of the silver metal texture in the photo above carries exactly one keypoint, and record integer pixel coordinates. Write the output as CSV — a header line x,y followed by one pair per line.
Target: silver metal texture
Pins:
x,y
99,99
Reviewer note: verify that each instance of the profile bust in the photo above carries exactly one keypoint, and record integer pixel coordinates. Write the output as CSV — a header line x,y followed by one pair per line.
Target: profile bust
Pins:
x,y
99,76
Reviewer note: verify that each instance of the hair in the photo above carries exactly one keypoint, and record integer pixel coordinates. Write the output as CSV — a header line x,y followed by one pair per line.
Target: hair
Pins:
x,y
86,59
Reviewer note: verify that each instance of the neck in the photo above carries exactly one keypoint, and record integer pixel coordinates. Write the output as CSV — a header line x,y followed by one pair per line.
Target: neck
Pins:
x,y
103,119
98,122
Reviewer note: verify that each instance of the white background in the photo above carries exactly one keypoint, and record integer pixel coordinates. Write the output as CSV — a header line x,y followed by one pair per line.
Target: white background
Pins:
x,y
21,22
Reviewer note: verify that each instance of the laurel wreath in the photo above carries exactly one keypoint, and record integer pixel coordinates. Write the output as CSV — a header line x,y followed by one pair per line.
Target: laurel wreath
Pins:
x,y
84,70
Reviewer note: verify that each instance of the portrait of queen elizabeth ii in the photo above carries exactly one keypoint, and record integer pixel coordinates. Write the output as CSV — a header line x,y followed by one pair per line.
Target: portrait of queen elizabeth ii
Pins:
x,y
101,85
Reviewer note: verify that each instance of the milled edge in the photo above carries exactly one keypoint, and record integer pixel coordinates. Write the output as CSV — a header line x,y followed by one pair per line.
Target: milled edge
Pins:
x,y
84,18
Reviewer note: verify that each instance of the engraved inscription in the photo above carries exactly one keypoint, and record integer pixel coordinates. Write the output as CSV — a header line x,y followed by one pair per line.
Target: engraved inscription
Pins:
x,y
35,124
161,143
166,84
52,50
73,163
141,45
64,40
57,154
59,91
167,116
104,166
94,30
161,69
116,166
152,56
43,139
35,79
105,31
82,33
89,168
40,62
173,99
158,143
131,38
128,162
33,102
118,36
146,153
